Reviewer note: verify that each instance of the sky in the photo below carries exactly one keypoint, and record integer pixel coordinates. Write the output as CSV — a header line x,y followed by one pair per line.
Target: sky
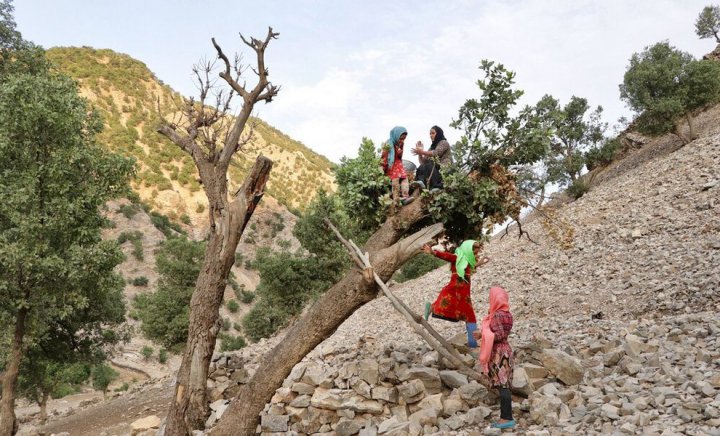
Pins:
x,y
354,69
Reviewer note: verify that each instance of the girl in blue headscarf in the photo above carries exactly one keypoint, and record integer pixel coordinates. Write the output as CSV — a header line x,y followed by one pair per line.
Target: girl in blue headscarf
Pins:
x,y
393,166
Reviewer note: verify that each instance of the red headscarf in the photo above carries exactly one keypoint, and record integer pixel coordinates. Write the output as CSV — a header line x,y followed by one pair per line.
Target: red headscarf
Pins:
x,y
499,300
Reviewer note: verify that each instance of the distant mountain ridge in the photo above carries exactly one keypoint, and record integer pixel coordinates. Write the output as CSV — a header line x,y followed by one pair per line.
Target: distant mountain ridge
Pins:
x,y
126,94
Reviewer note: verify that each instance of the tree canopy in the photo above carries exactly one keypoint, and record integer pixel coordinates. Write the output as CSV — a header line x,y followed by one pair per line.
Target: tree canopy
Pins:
x,y
707,24
664,85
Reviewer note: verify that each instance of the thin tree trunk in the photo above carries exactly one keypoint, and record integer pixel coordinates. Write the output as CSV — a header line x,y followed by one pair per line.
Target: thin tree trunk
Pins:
x,y
189,409
680,134
322,319
691,126
8,425
43,407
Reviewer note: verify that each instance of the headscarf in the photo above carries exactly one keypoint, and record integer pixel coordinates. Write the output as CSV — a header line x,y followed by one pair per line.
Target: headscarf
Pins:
x,y
464,257
499,300
439,136
395,134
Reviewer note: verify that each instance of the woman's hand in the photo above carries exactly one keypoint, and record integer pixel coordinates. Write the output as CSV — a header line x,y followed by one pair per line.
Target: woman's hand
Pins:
x,y
426,249
483,260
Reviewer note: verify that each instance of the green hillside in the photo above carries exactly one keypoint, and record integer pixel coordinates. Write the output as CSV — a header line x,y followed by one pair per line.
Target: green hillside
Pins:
x,y
126,94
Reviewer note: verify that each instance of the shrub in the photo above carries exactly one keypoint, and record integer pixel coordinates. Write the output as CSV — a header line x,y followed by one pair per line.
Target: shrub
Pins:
x,y
140,281
185,219
135,239
231,343
233,306
418,266
162,355
578,189
603,155
129,210
247,297
147,352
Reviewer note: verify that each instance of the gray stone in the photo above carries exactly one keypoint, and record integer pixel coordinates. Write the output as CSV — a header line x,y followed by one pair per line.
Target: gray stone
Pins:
x,y
412,391
453,379
430,377
566,368
274,423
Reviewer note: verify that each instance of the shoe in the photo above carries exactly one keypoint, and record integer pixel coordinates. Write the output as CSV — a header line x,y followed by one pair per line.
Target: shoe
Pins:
x,y
407,200
509,424
434,191
427,310
417,184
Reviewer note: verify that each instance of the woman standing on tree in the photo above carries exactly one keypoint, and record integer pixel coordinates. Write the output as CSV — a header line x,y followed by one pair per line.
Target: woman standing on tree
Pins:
x,y
454,303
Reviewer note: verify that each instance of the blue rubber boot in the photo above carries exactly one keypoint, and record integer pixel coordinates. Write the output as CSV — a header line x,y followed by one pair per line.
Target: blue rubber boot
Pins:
x,y
471,327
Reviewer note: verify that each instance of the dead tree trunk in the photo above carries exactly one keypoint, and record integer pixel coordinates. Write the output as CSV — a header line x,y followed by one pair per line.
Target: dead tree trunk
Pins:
x,y
228,217
323,318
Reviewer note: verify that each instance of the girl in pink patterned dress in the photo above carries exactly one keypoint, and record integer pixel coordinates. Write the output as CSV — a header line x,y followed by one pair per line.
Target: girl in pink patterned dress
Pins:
x,y
496,355
393,166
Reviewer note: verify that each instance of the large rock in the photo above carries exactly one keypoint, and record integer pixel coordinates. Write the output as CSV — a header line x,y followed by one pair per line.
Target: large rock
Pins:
x,y
566,368
145,423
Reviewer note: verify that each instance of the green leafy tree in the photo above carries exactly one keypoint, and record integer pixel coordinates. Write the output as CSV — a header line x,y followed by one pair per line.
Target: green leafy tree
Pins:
x,y
43,377
666,86
480,186
164,313
16,54
102,376
55,177
576,128
708,23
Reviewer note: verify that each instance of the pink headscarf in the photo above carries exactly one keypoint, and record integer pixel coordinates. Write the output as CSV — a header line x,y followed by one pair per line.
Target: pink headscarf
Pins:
x,y
498,301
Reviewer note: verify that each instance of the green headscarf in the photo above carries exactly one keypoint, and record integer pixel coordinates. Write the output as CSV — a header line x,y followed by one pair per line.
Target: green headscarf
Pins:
x,y
465,257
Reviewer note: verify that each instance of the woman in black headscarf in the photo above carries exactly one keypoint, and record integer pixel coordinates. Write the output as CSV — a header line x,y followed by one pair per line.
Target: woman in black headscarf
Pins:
x,y
432,160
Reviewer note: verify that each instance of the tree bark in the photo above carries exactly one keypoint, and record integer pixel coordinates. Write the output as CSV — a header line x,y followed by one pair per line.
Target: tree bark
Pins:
x,y
8,425
43,407
189,408
691,126
680,134
322,319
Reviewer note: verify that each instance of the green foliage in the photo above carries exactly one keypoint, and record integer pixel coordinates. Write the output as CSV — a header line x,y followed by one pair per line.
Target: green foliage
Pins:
x,y
129,210
140,281
287,282
102,376
418,266
480,188
147,352
231,343
363,188
123,387
246,297
162,355
603,154
167,227
135,238
56,273
578,189
708,23
575,130
164,313
663,83
232,306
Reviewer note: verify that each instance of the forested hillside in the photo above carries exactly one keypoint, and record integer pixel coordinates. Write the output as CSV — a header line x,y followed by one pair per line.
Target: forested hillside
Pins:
x,y
127,93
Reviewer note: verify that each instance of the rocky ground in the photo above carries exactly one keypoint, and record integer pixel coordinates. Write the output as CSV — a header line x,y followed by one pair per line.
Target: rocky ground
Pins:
x,y
617,323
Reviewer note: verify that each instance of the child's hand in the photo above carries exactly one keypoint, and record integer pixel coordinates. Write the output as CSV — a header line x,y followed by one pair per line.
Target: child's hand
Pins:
x,y
477,334
483,260
426,249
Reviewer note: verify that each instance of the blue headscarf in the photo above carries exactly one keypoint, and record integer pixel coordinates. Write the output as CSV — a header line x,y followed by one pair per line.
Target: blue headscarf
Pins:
x,y
395,134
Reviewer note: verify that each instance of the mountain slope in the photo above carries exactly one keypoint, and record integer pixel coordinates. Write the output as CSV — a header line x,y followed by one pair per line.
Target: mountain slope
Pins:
x,y
126,94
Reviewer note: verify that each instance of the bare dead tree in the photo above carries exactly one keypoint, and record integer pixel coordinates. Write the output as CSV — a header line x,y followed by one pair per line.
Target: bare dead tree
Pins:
x,y
212,136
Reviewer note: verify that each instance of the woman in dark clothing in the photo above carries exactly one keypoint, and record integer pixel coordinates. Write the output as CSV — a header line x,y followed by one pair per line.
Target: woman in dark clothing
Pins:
x,y
432,160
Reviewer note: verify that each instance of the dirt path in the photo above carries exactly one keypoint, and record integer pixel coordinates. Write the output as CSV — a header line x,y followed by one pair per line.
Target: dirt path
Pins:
x,y
113,417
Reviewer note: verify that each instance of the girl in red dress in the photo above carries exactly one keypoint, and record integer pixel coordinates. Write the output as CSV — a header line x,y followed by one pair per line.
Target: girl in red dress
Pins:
x,y
454,303
393,166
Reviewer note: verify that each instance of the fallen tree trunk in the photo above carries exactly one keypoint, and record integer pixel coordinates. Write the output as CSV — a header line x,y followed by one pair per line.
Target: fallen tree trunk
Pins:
x,y
323,318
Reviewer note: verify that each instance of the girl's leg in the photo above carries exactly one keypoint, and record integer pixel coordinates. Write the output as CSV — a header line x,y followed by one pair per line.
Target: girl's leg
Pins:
x,y
404,188
505,404
471,327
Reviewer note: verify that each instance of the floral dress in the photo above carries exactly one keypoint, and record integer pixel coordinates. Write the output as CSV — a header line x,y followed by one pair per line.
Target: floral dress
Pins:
x,y
501,359
454,303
